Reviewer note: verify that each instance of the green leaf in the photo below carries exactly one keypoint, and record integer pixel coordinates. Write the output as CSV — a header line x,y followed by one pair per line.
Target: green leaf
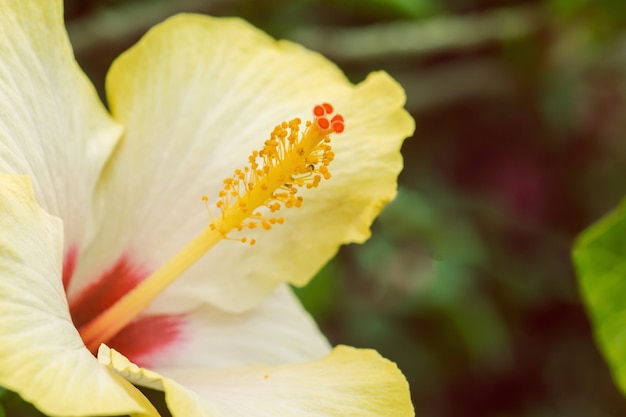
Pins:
x,y
600,259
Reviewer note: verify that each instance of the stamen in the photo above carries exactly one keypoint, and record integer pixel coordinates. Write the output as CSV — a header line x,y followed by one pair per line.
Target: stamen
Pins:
x,y
251,197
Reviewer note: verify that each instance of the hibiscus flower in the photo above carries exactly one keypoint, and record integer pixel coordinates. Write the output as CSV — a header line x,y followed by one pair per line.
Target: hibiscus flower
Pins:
x,y
93,205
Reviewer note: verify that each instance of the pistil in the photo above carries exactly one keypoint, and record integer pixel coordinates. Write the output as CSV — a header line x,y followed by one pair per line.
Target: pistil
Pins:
x,y
250,199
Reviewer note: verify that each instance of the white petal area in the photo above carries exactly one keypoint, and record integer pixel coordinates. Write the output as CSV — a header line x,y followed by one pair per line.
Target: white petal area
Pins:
x,y
347,382
197,95
41,354
276,331
52,124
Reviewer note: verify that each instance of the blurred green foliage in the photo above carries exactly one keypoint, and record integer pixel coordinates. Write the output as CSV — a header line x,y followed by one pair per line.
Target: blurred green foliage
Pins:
x,y
393,8
603,17
13,406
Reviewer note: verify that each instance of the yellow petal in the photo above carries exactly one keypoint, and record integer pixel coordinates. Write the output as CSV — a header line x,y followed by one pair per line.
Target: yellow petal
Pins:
x,y
53,126
347,382
197,95
41,354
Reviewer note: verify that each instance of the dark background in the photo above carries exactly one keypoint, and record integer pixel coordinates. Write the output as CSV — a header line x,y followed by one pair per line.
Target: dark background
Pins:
x,y
467,281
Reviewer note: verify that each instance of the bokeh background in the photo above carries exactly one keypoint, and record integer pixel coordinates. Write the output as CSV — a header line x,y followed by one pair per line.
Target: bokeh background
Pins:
x,y
467,281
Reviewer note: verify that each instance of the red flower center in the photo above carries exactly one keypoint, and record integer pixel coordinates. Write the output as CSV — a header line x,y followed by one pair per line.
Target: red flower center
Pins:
x,y
144,337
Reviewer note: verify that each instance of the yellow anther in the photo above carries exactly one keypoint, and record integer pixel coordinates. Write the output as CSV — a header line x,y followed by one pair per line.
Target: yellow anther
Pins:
x,y
288,160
